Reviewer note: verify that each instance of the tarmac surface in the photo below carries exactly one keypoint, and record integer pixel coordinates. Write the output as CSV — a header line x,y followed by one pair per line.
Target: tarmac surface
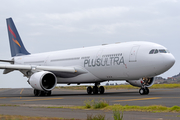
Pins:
x,y
29,105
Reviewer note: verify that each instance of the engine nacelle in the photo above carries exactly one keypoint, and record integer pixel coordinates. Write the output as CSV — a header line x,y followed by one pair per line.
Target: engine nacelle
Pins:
x,y
44,80
147,82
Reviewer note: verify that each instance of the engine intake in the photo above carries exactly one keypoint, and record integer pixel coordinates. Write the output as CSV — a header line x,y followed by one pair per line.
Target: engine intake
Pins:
x,y
44,80
147,82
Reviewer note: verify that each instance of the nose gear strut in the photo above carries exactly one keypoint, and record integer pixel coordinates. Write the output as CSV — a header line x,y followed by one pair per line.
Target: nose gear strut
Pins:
x,y
143,90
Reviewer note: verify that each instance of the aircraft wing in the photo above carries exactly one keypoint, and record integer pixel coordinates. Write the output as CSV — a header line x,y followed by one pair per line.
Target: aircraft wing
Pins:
x,y
32,67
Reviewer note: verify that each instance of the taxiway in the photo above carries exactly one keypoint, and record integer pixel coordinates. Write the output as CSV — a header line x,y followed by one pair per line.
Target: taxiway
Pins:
x,y
33,106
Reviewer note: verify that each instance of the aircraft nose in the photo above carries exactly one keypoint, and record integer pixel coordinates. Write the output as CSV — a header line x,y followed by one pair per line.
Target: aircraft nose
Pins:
x,y
169,61
165,63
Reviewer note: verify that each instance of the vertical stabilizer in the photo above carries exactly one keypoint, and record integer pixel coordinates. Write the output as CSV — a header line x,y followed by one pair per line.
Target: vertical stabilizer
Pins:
x,y
16,45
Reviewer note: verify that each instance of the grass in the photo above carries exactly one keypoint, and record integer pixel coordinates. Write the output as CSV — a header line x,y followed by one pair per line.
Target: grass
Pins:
x,y
152,108
18,117
96,117
160,86
155,86
100,105
72,87
103,105
9,105
95,105
117,115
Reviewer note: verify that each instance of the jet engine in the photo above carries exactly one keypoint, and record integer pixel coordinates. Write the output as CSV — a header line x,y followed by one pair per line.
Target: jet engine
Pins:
x,y
43,81
146,82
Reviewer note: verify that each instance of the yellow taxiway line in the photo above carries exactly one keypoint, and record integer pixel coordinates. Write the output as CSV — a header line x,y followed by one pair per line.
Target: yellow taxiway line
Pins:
x,y
3,97
138,99
21,91
38,99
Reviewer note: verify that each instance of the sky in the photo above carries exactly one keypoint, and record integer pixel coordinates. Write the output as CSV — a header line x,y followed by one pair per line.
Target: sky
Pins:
x,y
52,25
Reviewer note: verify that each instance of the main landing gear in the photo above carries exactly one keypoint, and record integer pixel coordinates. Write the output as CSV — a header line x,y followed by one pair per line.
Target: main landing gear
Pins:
x,y
41,93
95,89
144,91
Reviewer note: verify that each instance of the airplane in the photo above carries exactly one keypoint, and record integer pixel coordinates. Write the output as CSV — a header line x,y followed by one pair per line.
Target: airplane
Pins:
x,y
137,62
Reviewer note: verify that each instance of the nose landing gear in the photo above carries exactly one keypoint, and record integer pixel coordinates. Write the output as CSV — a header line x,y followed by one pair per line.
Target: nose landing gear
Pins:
x,y
144,91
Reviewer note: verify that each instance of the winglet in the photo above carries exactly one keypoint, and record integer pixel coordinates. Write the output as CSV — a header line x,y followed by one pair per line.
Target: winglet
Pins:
x,y
16,44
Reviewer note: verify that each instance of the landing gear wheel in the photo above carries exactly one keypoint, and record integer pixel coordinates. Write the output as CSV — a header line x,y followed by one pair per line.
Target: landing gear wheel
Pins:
x,y
48,93
95,90
141,91
41,93
146,90
38,93
101,90
89,90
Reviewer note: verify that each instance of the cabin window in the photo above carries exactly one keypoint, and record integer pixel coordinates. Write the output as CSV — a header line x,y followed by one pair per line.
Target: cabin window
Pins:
x,y
65,59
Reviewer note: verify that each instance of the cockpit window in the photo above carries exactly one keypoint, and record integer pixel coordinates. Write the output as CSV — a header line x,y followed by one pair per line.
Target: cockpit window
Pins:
x,y
151,52
156,51
162,51
168,51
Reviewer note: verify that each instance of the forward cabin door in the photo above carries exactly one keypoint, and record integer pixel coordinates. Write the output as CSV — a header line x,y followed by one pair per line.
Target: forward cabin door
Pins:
x,y
133,54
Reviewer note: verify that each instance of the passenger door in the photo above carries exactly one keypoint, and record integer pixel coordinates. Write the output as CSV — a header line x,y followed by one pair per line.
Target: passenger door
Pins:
x,y
133,54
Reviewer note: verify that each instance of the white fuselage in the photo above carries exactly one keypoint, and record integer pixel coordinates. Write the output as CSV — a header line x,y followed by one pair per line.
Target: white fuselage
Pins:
x,y
122,61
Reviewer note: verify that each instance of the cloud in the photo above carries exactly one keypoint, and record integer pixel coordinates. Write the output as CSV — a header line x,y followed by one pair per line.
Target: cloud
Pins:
x,y
36,34
113,28
88,14
58,24
169,0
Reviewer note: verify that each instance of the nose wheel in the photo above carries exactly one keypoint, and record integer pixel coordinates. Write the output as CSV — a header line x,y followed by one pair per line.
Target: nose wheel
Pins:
x,y
144,91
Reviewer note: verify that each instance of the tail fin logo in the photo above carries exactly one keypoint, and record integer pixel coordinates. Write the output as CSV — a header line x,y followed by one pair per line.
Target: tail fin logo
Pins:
x,y
16,42
10,30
